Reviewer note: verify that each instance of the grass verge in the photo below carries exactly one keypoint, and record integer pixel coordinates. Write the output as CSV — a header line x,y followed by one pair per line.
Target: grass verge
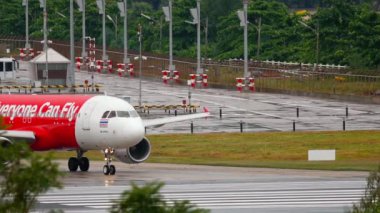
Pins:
x,y
355,150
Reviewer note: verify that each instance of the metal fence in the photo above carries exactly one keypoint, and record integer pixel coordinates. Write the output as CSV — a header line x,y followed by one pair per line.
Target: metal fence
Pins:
x,y
269,75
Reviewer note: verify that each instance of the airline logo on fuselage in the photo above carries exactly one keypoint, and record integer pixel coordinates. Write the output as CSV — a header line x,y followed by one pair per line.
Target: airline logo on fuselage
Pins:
x,y
46,110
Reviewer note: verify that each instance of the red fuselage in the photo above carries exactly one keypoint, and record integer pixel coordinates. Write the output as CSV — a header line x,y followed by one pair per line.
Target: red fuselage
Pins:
x,y
51,117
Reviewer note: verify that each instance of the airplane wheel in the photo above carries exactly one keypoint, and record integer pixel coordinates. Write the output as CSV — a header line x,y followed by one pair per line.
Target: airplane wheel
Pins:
x,y
106,170
73,164
112,170
84,164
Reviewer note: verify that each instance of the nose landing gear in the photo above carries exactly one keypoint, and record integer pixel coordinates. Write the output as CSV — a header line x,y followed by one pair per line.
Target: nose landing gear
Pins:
x,y
82,162
108,169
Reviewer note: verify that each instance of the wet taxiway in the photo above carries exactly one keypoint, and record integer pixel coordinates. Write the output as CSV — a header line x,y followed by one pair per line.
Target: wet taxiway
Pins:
x,y
258,111
220,189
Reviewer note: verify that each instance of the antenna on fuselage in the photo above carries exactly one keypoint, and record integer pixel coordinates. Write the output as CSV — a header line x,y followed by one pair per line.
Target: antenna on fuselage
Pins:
x,y
105,93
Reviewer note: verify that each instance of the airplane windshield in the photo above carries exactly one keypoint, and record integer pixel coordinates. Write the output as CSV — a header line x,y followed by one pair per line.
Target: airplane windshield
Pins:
x,y
134,114
105,114
112,114
123,114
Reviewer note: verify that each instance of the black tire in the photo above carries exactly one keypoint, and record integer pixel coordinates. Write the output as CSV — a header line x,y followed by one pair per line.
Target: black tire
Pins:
x,y
112,170
73,164
106,170
84,164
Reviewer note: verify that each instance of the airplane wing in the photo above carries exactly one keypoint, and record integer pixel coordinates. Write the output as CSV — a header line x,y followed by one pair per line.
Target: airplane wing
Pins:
x,y
18,135
162,121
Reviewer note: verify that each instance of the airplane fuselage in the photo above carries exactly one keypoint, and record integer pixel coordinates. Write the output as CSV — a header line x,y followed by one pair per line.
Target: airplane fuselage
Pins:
x,y
73,121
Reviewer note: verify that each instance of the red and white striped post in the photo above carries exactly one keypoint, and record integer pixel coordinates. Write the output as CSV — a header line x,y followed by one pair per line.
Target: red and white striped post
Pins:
x,y
120,69
99,65
131,70
193,80
109,66
251,84
22,54
239,84
176,76
165,76
78,62
204,80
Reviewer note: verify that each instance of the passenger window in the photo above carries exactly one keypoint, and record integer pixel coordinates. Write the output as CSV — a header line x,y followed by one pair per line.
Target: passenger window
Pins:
x,y
105,114
112,114
8,66
123,114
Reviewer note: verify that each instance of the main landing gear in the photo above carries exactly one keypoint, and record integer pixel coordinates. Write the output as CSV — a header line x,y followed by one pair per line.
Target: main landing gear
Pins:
x,y
82,162
108,169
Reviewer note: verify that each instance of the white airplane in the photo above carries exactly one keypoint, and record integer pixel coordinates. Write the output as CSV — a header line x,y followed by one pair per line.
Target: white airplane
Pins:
x,y
81,123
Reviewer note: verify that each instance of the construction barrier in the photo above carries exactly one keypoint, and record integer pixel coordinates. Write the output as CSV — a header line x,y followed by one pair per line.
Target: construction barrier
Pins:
x,y
166,76
248,83
26,53
198,79
125,70
78,62
101,66
91,60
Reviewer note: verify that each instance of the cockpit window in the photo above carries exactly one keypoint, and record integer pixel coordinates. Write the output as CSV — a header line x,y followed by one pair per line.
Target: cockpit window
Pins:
x,y
105,114
123,114
112,114
134,114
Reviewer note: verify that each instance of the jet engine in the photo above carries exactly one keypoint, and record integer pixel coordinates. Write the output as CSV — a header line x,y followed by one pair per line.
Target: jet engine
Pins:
x,y
5,142
135,154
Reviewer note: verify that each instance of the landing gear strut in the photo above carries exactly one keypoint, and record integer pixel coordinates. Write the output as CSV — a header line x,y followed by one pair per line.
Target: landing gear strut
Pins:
x,y
108,169
82,162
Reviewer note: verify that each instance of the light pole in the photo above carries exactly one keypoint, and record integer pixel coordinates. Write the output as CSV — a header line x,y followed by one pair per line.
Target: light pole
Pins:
x,y
243,16
168,11
45,41
114,24
140,64
196,13
316,31
72,63
123,7
82,8
26,4
102,10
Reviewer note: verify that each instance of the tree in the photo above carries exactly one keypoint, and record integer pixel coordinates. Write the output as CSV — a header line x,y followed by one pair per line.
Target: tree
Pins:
x,y
370,202
24,176
364,32
148,199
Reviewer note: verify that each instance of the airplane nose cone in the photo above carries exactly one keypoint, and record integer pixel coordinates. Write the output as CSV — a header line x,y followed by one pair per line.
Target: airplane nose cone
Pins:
x,y
135,132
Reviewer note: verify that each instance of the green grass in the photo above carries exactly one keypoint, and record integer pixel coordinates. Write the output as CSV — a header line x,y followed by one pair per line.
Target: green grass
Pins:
x,y
355,150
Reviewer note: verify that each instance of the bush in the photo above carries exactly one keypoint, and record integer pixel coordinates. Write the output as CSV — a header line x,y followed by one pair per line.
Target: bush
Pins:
x,y
370,202
147,199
